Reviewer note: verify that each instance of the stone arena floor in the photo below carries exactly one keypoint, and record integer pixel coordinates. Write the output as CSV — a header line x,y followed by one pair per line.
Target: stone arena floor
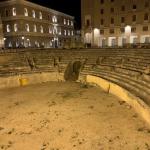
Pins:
x,y
68,116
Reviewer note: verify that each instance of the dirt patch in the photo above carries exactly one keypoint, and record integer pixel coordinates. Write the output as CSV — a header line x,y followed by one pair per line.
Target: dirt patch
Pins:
x,y
68,116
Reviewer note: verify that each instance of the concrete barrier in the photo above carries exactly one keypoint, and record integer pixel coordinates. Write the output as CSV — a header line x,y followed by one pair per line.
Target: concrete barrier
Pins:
x,y
140,107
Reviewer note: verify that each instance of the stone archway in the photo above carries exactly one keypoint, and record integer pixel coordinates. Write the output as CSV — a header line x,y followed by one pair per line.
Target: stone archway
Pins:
x,y
72,71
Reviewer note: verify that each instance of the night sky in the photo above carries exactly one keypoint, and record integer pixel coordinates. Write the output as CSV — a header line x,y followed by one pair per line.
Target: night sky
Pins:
x,y
71,7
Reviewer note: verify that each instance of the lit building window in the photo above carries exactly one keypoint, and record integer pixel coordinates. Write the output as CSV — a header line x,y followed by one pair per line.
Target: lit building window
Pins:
x,y
41,29
50,30
72,33
17,44
8,28
10,44
14,11
71,23
60,31
40,15
65,32
34,28
64,21
68,22
27,28
15,27
25,12
33,13
55,31
54,19
50,43
68,33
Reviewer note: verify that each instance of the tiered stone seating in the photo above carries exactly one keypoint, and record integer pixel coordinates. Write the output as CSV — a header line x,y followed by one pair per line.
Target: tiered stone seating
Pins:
x,y
129,70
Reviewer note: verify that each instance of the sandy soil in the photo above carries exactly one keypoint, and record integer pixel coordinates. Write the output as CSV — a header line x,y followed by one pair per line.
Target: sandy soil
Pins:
x,y
68,116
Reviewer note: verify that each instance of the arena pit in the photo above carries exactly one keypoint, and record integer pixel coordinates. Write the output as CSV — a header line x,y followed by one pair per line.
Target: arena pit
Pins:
x,y
68,116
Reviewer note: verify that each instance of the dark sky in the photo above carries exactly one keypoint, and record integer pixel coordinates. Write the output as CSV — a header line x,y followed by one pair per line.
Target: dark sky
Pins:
x,y
71,7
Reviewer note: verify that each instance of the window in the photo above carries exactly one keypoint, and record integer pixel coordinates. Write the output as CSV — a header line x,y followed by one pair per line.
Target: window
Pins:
x,y
122,20
40,15
14,11
6,13
134,7
25,12
102,32
112,10
50,30
123,8
102,11
72,33
134,18
102,1
133,29
145,28
9,44
111,31
27,28
59,31
65,32
68,22
68,32
41,29
34,28
122,30
71,23
146,17
15,27
64,21
55,31
8,28
33,13
54,19
102,21
87,22
147,40
112,20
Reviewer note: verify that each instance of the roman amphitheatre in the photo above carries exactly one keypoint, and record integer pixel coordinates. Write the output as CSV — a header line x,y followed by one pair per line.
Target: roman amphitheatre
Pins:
x,y
87,99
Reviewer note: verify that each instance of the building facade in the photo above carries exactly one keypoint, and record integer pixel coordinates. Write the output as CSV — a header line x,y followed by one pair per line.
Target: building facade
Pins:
x,y
115,22
26,24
